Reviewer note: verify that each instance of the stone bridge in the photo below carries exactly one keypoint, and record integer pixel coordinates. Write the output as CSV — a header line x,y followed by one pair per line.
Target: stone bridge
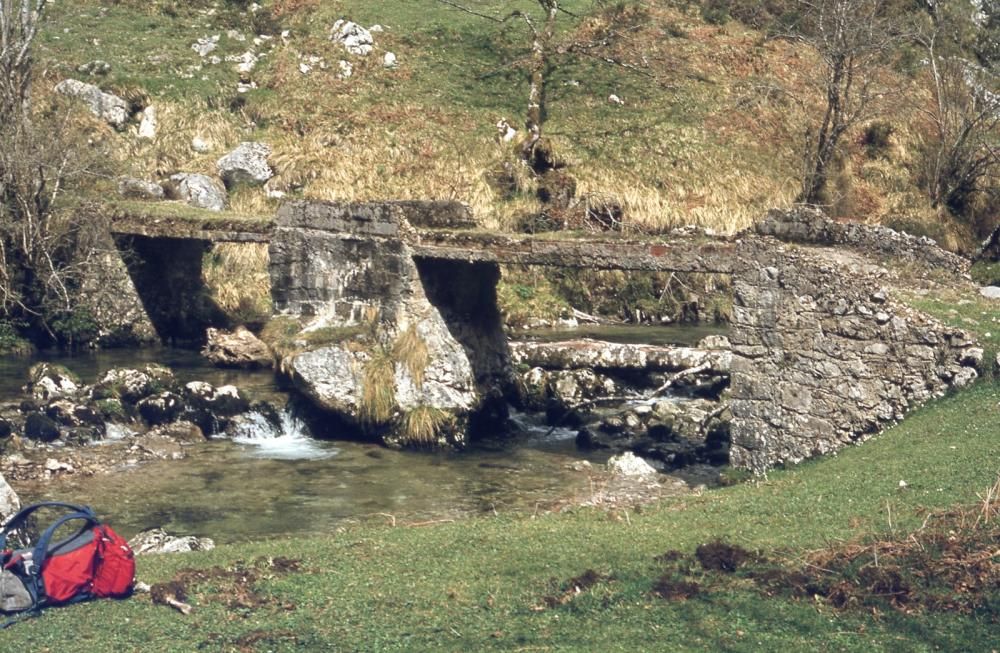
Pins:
x,y
823,354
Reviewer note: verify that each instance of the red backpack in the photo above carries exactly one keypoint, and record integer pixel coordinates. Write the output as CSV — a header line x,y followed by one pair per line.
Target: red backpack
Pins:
x,y
92,562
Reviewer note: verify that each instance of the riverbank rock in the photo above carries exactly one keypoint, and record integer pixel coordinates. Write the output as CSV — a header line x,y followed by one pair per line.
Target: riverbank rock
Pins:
x,y
157,540
9,501
197,190
40,427
109,108
50,381
238,348
247,164
132,385
160,408
628,464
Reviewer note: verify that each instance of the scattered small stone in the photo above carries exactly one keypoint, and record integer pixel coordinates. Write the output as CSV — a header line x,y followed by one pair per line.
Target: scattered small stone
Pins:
x,y
93,68
200,145
389,60
147,127
205,45
346,69
157,540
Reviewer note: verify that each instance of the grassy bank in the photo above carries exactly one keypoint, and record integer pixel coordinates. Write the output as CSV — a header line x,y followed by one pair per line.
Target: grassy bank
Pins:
x,y
509,583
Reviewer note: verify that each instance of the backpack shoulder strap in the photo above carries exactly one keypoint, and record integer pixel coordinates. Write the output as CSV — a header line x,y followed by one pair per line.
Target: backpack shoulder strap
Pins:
x,y
22,515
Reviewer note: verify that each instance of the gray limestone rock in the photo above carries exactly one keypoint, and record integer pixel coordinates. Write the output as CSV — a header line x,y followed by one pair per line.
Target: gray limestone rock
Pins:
x,y
157,540
247,164
355,38
132,188
199,191
990,292
109,108
237,348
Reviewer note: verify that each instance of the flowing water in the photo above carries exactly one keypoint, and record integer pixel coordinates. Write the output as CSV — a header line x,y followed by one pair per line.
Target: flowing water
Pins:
x,y
268,482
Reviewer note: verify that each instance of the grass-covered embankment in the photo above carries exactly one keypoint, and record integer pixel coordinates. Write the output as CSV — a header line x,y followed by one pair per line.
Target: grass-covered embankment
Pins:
x,y
504,583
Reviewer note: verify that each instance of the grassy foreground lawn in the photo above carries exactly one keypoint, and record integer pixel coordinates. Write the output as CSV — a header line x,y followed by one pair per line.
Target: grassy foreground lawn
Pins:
x,y
503,583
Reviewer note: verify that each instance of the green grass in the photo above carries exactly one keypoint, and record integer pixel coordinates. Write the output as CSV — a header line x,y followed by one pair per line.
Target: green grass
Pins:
x,y
976,314
480,584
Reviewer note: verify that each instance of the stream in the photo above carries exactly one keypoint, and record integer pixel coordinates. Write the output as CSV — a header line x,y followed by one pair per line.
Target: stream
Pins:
x,y
264,482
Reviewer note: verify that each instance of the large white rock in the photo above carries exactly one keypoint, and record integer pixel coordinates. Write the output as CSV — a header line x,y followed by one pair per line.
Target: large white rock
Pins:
x,y
199,191
109,108
355,38
990,292
247,164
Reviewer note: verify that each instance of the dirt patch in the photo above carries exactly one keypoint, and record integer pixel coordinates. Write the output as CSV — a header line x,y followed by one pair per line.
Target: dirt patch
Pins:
x,y
235,586
950,564
669,588
573,588
720,556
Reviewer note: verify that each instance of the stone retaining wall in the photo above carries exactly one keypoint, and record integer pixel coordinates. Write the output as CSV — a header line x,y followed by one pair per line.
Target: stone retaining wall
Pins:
x,y
823,356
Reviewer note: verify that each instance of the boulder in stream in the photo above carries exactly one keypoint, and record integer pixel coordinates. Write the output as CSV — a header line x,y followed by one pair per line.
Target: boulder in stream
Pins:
x,y
237,348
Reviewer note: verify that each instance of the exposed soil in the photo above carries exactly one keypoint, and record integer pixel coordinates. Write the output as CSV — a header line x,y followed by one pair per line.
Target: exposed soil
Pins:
x,y
951,563
235,587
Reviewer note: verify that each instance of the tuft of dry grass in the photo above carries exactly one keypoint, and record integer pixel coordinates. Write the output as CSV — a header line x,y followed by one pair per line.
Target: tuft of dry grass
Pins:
x,y
424,425
378,388
410,350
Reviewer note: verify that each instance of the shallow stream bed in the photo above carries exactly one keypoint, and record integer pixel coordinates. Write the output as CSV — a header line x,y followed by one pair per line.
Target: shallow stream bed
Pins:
x,y
265,483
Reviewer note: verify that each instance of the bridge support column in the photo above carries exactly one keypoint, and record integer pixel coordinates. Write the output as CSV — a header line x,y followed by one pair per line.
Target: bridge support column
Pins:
x,y
409,353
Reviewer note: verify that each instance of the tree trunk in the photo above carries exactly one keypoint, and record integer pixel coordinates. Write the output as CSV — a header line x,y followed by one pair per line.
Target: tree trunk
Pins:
x,y
540,51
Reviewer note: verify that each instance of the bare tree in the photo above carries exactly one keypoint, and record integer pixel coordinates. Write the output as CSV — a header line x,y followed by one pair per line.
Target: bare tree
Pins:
x,y
852,39
43,250
547,50
963,154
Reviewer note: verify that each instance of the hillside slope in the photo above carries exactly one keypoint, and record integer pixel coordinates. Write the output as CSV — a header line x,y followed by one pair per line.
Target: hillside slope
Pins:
x,y
676,120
